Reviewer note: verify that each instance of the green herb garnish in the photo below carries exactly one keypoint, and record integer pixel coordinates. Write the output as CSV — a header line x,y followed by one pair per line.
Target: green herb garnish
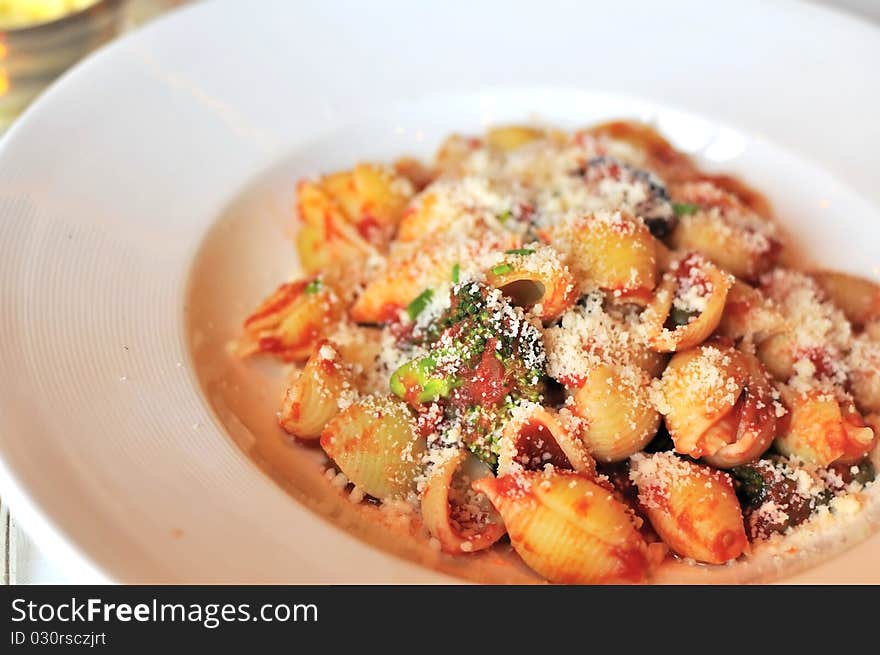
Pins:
x,y
418,381
685,208
418,305
314,286
502,269
456,273
504,216
520,251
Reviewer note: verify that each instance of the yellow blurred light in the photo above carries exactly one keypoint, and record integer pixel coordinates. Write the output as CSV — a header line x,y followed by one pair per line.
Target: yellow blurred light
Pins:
x,y
21,13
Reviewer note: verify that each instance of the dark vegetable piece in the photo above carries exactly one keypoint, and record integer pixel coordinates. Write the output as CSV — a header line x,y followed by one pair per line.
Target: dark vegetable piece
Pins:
x,y
863,473
773,481
653,205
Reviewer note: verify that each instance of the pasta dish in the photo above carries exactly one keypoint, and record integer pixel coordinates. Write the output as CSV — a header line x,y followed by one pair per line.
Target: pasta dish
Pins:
x,y
578,343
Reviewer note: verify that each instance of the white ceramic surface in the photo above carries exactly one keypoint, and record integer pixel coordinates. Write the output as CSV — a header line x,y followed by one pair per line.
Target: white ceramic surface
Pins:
x,y
111,455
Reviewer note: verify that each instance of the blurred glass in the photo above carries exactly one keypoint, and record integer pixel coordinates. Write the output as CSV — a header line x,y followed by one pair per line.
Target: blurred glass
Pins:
x,y
33,55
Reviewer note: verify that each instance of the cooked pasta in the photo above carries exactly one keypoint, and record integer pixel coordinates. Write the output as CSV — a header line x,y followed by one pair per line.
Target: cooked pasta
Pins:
x,y
458,516
864,364
535,278
822,430
717,403
613,250
349,214
291,322
749,316
315,395
568,528
693,508
688,305
616,406
721,227
577,343
857,298
377,446
535,437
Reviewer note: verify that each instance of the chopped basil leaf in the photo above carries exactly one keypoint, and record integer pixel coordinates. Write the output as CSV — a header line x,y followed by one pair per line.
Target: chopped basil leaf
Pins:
x,y
504,216
456,273
314,286
418,305
685,208
501,269
520,251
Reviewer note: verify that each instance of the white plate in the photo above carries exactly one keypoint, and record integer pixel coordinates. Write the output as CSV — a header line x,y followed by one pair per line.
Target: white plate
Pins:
x,y
112,455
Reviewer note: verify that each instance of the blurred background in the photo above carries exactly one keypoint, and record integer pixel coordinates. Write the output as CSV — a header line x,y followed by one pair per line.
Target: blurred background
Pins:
x,y
39,40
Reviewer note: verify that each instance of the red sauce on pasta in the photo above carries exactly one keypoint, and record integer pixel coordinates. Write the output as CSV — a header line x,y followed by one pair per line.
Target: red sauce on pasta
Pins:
x,y
476,377
285,294
536,447
487,383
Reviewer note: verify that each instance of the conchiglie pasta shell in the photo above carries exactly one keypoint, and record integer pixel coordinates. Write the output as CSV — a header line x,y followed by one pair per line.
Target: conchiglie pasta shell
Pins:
x,y
316,207
873,422
860,437
822,430
417,172
864,374
693,508
724,229
376,446
437,507
550,292
453,152
371,197
620,417
313,398
745,194
729,248
777,355
539,438
660,156
328,234
402,280
751,426
567,528
290,322
701,387
858,298
416,268
694,333
426,217
813,428
619,256
866,388
748,314
360,350
313,256
511,137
